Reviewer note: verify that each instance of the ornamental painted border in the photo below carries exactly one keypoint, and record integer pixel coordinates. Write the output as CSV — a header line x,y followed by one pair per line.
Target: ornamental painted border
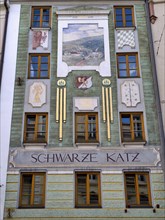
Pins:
x,y
83,17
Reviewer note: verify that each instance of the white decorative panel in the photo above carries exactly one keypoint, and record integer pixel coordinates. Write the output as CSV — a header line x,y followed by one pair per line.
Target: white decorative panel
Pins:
x,y
37,94
86,104
125,38
78,30
40,39
130,93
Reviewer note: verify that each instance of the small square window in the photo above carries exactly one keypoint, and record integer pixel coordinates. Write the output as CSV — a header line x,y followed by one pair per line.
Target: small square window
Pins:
x,y
127,65
132,127
39,66
86,128
88,192
124,16
40,17
32,192
36,128
137,189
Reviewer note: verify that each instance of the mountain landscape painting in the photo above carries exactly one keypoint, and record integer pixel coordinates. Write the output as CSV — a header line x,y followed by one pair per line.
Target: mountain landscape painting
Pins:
x,y
83,45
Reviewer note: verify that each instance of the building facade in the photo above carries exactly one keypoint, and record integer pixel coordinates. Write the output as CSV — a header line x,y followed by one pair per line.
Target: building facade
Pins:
x,y
157,13
85,136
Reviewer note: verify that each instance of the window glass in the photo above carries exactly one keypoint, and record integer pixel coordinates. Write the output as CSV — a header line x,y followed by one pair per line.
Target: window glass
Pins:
x,y
124,16
127,65
86,127
132,127
40,17
88,190
137,190
32,190
36,128
39,66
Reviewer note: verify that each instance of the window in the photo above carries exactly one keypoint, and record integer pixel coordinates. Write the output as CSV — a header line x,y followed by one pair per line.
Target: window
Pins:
x,y
137,189
40,17
124,16
32,192
127,65
132,127
39,66
86,127
36,128
88,189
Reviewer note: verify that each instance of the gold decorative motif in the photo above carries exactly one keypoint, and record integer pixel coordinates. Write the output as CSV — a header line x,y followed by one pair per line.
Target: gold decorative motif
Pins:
x,y
61,106
107,105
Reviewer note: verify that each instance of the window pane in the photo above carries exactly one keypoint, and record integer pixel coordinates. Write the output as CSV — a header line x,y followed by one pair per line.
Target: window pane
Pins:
x,y
133,73
33,74
132,65
119,17
93,179
126,127
128,11
44,66
122,66
46,11
34,67
37,200
34,59
137,127
80,137
132,59
81,119
81,128
81,189
26,200
129,23
122,73
119,24
44,59
44,74
143,189
121,59
36,18
26,189
118,11
36,11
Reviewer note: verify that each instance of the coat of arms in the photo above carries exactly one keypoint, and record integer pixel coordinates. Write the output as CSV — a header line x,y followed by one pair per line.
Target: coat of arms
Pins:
x,y
83,82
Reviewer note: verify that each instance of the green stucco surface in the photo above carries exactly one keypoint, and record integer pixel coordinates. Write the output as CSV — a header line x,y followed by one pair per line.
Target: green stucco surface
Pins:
x,y
72,91
60,189
60,195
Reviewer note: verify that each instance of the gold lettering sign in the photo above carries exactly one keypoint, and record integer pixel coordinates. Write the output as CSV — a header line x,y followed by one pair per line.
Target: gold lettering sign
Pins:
x,y
106,82
61,82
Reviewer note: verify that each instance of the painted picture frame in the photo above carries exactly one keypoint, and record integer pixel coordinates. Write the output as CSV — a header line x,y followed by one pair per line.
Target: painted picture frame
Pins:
x,y
83,42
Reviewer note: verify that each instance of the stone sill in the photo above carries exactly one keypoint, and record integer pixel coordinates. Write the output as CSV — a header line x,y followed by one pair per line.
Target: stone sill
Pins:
x,y
125,28
87,145
134,144
40,28
30,146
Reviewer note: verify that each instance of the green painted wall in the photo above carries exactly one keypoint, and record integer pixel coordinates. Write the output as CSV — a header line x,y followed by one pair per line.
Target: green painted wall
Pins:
x,y
60,196
22,61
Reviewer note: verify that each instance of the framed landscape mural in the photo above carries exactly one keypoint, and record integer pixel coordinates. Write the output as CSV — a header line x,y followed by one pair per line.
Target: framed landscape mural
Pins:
x,y
83,44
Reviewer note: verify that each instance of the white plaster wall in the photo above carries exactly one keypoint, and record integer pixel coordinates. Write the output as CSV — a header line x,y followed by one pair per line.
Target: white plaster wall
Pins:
x,y
158,31
7,91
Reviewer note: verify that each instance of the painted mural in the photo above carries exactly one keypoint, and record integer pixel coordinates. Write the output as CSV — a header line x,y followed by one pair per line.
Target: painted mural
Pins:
x,y
83,45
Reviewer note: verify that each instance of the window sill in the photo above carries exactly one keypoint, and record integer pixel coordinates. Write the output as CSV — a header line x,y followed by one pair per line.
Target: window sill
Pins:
x,y
34,145
40,28
134,144
87,145
140,207
125,28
